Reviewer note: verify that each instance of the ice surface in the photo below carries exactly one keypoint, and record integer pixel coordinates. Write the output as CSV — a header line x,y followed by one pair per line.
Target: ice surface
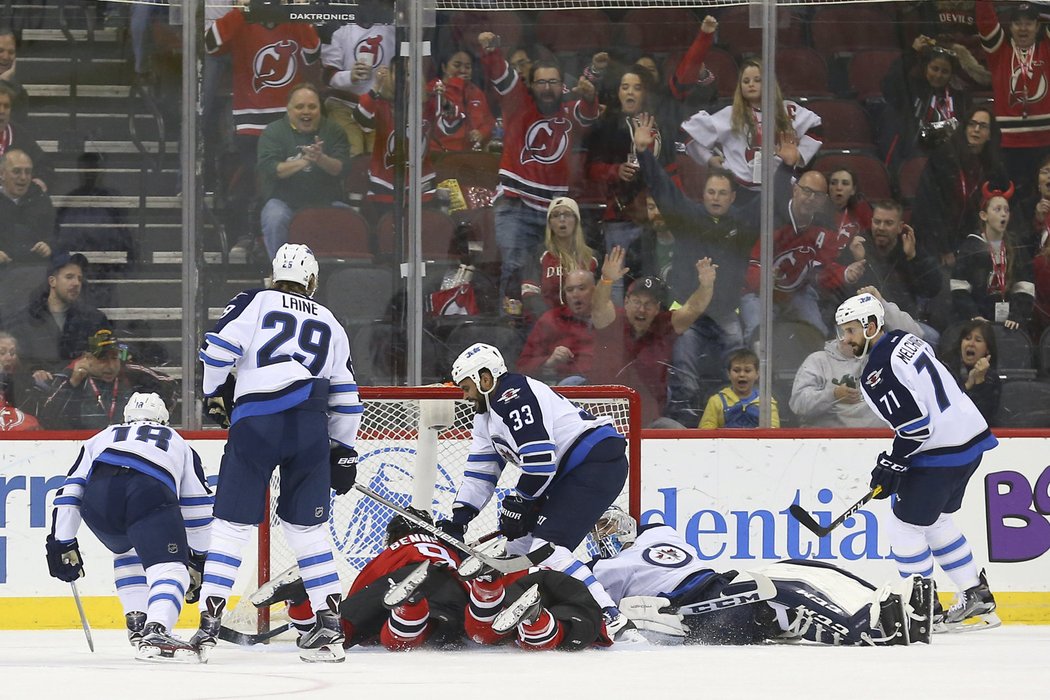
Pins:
x,y
1009,662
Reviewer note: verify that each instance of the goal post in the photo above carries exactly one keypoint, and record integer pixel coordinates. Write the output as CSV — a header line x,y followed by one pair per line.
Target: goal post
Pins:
x,y
412,447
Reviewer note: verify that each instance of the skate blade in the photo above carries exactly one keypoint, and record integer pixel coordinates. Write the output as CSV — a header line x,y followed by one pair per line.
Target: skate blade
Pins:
x,y
263,596
403,591
153,654
509,618
470,568
986,621
632,636
327,654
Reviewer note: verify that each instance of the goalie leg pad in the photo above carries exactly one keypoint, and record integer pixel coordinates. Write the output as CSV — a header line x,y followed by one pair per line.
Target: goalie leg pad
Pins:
x,y
645,612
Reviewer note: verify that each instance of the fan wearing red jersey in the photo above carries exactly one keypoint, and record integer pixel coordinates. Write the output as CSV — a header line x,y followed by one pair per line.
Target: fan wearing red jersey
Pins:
x,y
407,596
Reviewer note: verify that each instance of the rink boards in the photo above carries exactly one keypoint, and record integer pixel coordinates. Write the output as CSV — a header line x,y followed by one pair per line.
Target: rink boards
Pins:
x,y
728,496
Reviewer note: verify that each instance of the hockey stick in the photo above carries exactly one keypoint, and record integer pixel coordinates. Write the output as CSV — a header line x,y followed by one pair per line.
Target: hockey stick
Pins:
x,y
83,617
764,590
810,523
227,634
504,565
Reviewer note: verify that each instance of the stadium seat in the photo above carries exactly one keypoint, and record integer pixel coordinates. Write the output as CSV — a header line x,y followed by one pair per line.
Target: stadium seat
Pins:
x,y
575,31
908,178
1024,404
875,180
658,29
356,181
867,70
845,124
492,331
332,232
802,72
735,33
725,68
359,295
1014,347
438,236
465,27
848,29
793,342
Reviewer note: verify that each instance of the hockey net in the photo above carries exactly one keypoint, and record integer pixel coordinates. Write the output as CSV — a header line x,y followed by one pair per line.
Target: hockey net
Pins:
x,y
412,445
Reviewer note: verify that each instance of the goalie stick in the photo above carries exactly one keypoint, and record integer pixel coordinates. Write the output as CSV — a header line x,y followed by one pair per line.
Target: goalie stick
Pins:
x,y
504,565
809,522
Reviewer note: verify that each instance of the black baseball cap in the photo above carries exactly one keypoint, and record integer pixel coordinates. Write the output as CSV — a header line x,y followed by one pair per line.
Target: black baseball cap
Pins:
x,y
1024,10
60,260
651,285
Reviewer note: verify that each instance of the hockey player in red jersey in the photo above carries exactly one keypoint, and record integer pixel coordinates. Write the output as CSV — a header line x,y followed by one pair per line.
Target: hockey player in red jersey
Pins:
x,y
407,596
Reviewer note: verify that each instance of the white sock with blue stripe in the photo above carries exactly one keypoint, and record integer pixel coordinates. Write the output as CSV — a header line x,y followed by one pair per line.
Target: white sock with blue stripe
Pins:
x,y
908,548
168,582
563,560
313,553
952,552
228,541
130,579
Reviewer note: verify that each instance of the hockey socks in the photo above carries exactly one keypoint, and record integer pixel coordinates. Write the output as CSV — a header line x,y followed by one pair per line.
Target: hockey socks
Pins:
x,y
564,560
313,553
407,627
952,552
167,590
485,603
301,616
544,633
228,540
130,580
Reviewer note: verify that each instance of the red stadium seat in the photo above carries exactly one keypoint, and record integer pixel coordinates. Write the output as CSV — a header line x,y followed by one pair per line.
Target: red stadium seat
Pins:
x,y
802,72
332,232
719,62
874,179
355,182
846,30
465,27
574,31
740,39
658,29
867,69
845,124
437,239
908,177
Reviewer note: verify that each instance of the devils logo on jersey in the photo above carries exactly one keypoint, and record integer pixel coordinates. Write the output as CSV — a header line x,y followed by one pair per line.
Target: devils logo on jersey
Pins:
x,y
546,141
275,65
388,155
369,51
1028,85
791,268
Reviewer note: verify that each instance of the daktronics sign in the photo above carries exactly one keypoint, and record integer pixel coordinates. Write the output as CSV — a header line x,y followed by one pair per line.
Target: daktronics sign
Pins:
x,y
1017,511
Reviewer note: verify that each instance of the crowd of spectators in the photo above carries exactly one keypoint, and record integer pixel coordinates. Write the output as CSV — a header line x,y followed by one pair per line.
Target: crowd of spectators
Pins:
x,y
650,162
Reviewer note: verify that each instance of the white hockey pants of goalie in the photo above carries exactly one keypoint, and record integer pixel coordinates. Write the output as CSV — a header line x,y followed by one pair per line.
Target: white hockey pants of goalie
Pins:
x,y
309,543
563,560
916,547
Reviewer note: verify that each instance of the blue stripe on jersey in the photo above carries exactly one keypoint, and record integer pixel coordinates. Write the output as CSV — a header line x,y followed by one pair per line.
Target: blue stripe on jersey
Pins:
x,y
268,404
573,567
348,410
74,481
212,362
537,447
218,340
126,561
316,559
342,388
199,522
235,308
196,500
584,444
491,478
948,549
547,468
955,457
67,501
130,581
139,464
483,457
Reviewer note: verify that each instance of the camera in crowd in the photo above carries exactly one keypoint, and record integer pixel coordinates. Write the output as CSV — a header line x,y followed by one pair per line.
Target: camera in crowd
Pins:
x,y
933,134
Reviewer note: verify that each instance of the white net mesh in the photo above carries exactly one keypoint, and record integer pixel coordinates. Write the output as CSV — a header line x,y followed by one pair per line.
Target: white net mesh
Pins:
x,y
392,448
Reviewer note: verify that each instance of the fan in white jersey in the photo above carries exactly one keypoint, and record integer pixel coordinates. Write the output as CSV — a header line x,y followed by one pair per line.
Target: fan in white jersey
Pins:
x,y
573,466
295,406
939,439
732,138
141,489
652,572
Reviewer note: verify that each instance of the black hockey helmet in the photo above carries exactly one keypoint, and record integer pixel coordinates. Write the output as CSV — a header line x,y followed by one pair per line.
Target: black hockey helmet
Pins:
x,y
399,526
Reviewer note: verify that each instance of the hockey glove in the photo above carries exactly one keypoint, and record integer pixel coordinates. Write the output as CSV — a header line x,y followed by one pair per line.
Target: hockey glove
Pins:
x,y
456,526
196,568
215,409
517,516
63,559
344,468
887,474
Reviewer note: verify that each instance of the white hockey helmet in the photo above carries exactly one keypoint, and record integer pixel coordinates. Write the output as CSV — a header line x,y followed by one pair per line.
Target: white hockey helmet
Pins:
x,y
148,407
295,262
615,531
861,308
477,357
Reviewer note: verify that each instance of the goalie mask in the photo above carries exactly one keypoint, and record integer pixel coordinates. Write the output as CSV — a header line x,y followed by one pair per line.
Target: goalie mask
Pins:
x,y
614,531
146,407
295,262
477,357
399,526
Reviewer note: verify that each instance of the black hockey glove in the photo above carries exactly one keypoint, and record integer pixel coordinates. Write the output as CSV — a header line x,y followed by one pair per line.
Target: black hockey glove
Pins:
x,y
517,516
344,468
196,568
63,559
887,474
456,526
215,409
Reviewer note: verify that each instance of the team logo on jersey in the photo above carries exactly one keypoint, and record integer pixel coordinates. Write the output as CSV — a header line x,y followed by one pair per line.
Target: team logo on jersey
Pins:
x,y
369,51
874,378
509,395
275,65
546,141
791,268
1023,89
388,155
666,555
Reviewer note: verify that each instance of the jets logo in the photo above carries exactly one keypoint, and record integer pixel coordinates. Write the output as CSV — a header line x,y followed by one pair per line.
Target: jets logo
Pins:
x,y
508,395
874,378
791,268
275,65
546,141
666,555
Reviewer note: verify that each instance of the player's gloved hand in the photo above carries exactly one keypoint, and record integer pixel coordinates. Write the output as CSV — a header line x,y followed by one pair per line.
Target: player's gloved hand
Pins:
x,y
63,559
887,474
215,409
196,568
517,516
343,461
456,526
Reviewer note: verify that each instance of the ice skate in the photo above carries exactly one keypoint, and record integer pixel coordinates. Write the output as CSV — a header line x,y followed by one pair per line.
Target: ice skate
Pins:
x,y
158,645
973,609
619,627
526,608
409,590
203,640
136,622
324,643
286,586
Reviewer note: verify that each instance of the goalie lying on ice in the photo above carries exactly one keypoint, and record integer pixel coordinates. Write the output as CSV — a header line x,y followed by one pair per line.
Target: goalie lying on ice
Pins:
x,y
654,575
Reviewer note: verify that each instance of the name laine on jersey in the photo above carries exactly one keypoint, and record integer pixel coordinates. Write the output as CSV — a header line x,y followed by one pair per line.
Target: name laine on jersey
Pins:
x,y
299,304
909,348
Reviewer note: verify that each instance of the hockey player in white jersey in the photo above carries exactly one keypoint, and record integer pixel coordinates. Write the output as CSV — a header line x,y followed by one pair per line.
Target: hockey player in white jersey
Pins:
x,y
573,466
295,406
940,437
141,489
653,573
